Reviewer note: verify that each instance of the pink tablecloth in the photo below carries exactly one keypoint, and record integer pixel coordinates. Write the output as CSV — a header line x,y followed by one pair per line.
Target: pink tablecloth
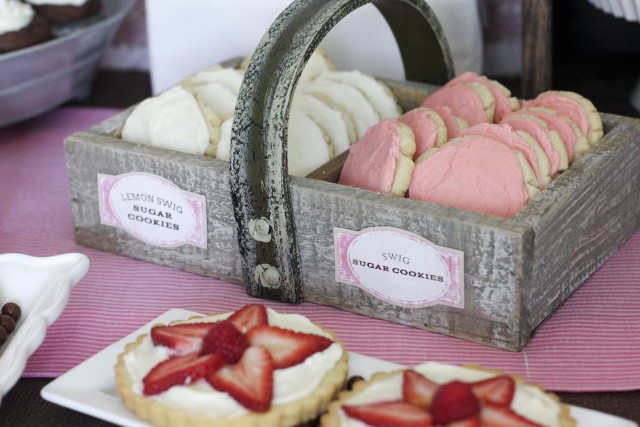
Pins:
x,y
592,343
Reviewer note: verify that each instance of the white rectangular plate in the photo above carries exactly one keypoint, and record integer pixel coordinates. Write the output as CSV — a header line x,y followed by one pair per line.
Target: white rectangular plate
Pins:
x,y
99,397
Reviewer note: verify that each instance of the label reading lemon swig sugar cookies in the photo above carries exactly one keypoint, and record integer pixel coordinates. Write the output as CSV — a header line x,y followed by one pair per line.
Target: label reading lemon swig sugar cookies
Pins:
x,y
152,209
399,267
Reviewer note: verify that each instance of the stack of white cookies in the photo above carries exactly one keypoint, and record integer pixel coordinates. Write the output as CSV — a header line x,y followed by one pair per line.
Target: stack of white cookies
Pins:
x,y
330,111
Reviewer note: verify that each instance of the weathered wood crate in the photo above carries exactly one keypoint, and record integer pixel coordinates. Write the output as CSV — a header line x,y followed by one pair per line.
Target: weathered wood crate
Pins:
x,y
513,272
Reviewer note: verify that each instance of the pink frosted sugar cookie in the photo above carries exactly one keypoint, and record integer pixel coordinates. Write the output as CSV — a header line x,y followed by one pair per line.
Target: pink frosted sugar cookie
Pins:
x,y
428,129
454,124
474,173
548,139
505,103
382,160
506,135
471,101
574,140
576,107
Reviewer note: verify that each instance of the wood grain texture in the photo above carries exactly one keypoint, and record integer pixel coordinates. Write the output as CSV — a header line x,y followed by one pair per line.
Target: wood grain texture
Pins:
x,y
537,47
583,216
517,271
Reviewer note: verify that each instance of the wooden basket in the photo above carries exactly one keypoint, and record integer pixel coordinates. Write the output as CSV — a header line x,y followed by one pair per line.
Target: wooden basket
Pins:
x,y
277,234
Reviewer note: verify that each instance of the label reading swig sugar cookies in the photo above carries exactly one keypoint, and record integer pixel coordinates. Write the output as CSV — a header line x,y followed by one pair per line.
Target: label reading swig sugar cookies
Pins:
x,y
399,267
153,209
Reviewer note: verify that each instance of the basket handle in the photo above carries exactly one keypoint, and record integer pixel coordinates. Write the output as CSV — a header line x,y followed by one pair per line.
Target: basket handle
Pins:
x,y
258,167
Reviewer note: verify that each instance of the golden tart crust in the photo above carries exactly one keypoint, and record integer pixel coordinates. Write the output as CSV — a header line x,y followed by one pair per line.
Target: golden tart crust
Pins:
x,y
289,414
332,417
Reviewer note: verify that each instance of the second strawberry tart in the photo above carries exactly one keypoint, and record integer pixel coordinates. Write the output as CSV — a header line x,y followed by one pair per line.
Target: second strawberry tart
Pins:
x,y
436,394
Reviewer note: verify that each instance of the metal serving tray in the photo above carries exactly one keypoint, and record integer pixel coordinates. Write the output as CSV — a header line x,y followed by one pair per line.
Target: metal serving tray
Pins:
x,y
41,77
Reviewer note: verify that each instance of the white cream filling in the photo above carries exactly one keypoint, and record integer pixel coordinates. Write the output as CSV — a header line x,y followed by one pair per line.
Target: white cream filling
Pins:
x,y
58,2
14,15
200,398
528,401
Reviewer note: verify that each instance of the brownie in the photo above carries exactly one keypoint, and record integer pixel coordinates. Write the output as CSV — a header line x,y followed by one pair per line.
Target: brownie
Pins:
x,y
63,14
37,31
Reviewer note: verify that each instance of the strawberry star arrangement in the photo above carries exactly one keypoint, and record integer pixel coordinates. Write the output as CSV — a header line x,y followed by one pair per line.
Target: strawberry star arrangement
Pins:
x,y
251,367
435,394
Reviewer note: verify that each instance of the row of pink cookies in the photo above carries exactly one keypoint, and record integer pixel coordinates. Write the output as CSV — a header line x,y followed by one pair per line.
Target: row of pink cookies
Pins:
x,y
473,146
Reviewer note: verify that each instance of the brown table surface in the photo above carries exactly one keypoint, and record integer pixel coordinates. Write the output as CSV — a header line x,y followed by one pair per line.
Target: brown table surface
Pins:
x,y
23,406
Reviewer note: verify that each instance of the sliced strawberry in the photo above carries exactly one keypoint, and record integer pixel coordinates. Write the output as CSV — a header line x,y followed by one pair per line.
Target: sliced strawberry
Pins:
x,y
467,422
287,347
179,370
395,413
498,390
249,382
224,338
250,316
417,389
184,338
454,401
493,415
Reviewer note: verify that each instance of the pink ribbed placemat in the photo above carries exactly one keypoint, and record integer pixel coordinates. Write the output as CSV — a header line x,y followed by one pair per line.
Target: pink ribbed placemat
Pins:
x,y
590,344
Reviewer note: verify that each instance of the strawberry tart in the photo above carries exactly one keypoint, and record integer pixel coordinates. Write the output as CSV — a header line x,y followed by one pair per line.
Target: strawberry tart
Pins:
x,y
435,394
251,367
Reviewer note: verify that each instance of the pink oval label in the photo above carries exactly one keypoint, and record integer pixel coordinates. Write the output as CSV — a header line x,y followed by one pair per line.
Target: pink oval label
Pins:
x,y
153,209
399,267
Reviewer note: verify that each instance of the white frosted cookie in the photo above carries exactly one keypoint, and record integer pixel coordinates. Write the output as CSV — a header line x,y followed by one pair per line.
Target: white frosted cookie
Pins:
x,y
307,147
382,160
216,96
231,78
171,120
429,129
475,173
576,107
377,93
330,120
347,99
213,124
223,150
318,63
